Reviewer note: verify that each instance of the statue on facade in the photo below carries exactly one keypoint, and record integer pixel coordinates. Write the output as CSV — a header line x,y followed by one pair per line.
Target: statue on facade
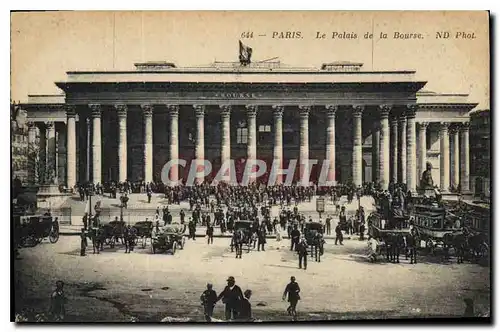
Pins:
x,y
426,181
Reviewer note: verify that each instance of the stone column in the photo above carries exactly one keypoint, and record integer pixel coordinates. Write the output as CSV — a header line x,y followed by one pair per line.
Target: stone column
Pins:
x,y
252,135
121,110
331,111
411,148
444,164
422,138
394,149
32,151
304,143
226,136
96,143
42,154
71,147
375,151
174,140
384,162
200,138
278,140
51,153
147,111
464,159
402,142
357,146
455,157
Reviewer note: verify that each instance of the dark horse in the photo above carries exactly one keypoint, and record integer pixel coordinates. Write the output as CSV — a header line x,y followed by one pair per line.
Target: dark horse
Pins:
x,y
97,236
129,237
459,243
393,244
237,242
412,240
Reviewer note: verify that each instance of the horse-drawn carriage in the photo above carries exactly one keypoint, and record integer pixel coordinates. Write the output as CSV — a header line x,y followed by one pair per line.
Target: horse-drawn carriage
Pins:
x,y
32,229
390,236
170,237
313,233
243,235
143,231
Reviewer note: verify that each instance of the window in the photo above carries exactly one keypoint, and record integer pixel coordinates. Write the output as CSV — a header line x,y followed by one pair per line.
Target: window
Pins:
x,y
242,135
265,128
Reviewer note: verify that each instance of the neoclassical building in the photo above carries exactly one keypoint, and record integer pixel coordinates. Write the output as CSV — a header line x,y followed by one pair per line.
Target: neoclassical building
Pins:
x,y
368,125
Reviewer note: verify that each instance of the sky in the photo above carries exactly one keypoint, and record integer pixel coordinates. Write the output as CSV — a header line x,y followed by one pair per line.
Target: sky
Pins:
x,y
45,45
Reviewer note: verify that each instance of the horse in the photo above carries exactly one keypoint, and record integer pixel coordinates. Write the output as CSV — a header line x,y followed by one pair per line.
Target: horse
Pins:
x,y
129,237
393,244
97,236
411,244
478,245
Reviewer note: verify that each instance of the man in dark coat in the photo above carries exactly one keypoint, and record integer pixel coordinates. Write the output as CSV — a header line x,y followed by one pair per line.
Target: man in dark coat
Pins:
x,y
210,233
83,242
295,234
208,299
338,235
292,290
231,296
302,251
261,238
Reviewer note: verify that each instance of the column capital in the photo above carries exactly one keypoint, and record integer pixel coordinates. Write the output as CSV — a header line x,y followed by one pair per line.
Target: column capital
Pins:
x,y
454,128
411,110
384,111
423,125
173,109
70,111
304,110
147,110
402,119
225,110
464,126
331,110
96,110
199,110
49,125
278,110
444,125
252,110
357,110
31,125
121,110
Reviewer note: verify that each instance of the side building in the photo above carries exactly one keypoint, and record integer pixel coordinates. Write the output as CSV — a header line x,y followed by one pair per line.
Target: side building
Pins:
x,y
480,149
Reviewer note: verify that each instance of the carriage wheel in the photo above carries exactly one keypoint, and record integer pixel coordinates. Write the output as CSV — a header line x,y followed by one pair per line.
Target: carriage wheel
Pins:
x,y
54,236
174,248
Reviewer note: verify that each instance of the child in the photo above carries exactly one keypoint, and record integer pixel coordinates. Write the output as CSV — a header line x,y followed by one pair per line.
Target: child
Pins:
x,y
208,299
57,301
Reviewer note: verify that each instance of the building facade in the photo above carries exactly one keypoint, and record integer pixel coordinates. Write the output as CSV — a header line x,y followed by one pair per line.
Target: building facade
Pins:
x,y
480,150
367,125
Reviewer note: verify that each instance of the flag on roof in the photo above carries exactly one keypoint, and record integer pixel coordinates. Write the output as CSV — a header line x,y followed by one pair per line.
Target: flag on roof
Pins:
x,y
245,54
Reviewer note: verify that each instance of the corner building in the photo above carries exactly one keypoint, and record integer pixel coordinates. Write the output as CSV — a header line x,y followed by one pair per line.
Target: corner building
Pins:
x,y
369,125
